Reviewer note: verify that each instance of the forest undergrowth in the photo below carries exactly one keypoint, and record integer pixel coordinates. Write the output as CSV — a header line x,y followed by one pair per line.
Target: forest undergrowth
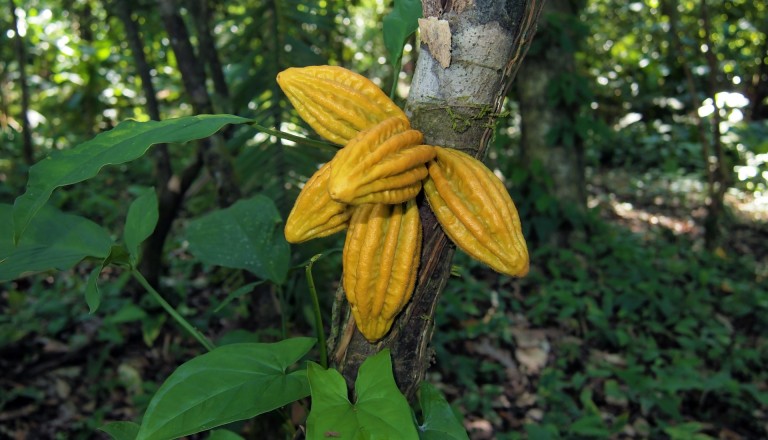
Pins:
x,y
633,331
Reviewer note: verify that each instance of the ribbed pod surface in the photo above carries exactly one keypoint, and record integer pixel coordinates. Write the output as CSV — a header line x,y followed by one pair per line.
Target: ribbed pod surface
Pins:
x,y
336,102
315,214
384,164
381,256
476,211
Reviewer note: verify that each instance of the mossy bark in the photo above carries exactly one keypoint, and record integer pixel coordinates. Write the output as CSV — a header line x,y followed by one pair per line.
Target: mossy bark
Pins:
x,y
454,107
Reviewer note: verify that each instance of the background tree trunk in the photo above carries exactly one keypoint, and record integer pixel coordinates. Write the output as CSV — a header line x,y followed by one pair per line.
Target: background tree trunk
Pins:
x,y
454,107
544,116
28,151
192,70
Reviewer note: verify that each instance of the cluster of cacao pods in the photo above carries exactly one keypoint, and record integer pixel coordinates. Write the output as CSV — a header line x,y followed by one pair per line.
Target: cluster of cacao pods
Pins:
x,y
370,186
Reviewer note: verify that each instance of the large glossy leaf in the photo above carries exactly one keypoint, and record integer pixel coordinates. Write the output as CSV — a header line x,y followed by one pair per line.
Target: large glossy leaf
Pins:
x,y
140,222
439,420
247,235
54,240
380,412
124,143
399,25
230,383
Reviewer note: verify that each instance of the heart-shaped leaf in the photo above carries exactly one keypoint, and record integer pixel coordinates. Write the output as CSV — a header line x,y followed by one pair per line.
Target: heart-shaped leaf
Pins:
x,y
380,412
232,382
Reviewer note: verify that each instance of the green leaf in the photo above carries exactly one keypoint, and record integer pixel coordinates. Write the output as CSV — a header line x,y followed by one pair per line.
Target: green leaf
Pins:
x,y
151,326
235,294
590,426
542,432
92,294
440,422
118,255
399,25
140,222
54,240
127,313
690,430
121,430
230,383
223,434
381,411
247,235
124,143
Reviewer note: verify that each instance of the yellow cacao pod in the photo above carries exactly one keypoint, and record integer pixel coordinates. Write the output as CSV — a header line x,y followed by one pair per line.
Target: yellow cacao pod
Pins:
x,y
315,214
381,256
476,211
336,102
384,164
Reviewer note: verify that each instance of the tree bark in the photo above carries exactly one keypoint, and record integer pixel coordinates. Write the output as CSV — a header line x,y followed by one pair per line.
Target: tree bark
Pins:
x,y
162,158
714,157
170,188
454,107
28,150
208,53
562,158
722,179
193,76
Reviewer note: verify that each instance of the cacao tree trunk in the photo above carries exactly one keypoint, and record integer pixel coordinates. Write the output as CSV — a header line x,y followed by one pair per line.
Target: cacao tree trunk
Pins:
x,y
454,106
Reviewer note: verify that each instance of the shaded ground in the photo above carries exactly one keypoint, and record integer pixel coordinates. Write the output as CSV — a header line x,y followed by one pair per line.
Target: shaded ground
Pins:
x,y
539,362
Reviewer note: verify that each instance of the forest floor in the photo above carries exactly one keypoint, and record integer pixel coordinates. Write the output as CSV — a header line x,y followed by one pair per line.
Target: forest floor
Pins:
x,y
66,381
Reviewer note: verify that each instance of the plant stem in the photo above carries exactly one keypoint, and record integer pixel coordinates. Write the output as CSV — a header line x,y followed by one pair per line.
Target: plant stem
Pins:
x,y
318,316
171,311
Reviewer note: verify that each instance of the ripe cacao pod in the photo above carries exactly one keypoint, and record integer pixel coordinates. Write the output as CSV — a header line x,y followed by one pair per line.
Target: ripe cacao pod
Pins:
x,y
315,214
383,164
476,211
336,102
381,256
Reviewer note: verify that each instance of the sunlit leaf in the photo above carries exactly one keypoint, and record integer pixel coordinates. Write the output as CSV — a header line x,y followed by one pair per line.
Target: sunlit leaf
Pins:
x,y
124,143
